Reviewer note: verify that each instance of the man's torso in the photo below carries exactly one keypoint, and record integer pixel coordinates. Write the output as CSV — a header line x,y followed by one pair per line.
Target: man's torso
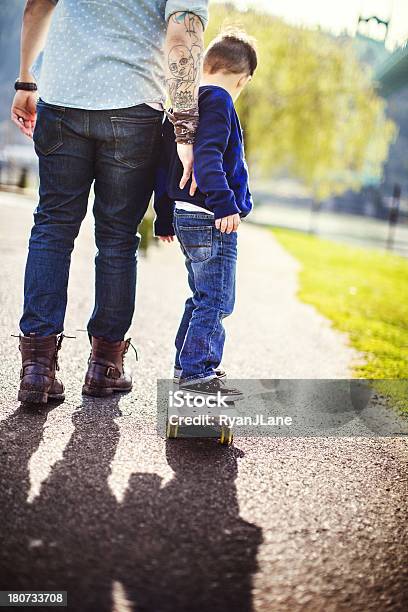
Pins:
x,y
104,54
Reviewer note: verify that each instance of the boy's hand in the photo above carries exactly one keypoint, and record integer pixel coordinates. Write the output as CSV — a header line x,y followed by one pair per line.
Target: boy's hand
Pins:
x,y
166,238
229,224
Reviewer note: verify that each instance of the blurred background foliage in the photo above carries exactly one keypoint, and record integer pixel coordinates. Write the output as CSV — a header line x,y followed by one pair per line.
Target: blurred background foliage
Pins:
x,y
311,114
311,110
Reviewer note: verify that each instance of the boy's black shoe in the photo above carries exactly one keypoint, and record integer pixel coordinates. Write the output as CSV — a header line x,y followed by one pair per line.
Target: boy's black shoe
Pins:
x,y
212,388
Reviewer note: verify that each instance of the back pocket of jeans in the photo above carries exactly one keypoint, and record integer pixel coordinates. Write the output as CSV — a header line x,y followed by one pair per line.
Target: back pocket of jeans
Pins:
x,y
196,241
47,135
135,140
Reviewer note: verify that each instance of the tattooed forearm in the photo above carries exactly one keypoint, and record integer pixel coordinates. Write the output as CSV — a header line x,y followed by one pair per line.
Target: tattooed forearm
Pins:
x,y
184,51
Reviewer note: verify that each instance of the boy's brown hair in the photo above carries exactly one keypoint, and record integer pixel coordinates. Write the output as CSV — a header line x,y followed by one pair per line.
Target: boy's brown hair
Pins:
x,y
232,51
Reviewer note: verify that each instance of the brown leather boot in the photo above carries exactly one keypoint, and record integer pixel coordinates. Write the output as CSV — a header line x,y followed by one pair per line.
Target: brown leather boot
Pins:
x,y
106,373
39,356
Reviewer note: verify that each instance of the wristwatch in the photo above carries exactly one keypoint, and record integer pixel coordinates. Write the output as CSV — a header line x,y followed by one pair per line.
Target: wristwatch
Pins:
x,y
25,86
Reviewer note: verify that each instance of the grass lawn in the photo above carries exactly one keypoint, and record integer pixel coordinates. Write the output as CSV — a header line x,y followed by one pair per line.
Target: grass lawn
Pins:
x,y
364,292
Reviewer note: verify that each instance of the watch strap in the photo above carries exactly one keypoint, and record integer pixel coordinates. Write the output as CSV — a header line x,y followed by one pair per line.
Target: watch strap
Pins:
x,y
25,86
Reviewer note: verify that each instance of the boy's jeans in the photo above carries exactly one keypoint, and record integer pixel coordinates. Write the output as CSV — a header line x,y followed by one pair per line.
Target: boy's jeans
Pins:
x,y
211,262
117,149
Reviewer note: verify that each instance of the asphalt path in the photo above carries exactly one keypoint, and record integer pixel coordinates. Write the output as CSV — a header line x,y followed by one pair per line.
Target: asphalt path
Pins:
x,y
95,502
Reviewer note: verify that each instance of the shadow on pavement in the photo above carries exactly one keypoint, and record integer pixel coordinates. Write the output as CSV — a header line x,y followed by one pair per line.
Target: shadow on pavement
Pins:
x,y
180,547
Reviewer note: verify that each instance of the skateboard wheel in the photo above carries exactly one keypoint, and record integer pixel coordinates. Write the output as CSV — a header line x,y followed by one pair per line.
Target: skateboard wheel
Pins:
x,y
172,431
226,437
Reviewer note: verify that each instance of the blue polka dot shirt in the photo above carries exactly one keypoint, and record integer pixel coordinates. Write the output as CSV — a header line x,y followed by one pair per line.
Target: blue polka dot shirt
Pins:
x,y
106,54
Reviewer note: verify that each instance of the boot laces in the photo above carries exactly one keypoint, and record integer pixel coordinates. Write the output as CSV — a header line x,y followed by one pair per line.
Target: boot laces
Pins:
x,y
60,338
58,347
129,343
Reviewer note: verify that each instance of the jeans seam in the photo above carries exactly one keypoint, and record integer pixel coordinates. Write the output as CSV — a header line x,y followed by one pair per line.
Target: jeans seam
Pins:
x,y
219,310
87,122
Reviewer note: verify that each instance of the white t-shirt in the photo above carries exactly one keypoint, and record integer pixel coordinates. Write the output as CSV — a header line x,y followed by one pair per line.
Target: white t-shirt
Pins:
x,y
192,207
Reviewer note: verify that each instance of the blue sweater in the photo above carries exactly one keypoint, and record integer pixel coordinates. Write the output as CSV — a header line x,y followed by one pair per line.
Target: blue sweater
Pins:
x,y
220,168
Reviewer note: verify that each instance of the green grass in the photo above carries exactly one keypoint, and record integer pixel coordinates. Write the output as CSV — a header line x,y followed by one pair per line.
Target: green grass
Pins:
x,y
365,294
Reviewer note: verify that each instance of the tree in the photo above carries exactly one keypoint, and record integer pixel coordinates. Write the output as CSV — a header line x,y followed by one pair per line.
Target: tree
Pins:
x,y
311,109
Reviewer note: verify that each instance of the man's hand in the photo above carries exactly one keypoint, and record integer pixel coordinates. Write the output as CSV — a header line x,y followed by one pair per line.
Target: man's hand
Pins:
x,y
36,22
185,153
24,111
166,238
229,224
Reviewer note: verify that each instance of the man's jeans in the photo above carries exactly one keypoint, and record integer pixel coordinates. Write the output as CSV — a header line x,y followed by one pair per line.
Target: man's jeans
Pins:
x,y
211,262
117,149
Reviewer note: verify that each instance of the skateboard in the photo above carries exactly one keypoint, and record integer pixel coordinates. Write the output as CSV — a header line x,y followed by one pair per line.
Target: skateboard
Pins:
x,y
223,433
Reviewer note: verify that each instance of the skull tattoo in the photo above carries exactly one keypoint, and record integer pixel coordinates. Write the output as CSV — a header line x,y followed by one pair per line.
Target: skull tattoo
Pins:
x,y
181,63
